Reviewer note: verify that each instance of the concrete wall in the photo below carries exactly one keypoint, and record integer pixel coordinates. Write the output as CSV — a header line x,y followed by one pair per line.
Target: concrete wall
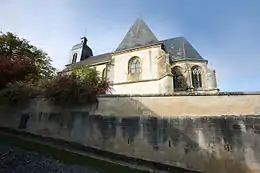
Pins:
x,y
213,134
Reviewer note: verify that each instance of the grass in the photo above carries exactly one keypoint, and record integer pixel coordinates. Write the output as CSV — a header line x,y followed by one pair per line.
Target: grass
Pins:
x,y
67,157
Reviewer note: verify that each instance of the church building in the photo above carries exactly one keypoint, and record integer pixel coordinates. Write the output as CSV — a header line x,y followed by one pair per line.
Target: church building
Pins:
x,y
142,64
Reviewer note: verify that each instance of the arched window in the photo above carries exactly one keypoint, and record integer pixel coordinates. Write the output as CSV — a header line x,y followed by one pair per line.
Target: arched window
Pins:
x,y
178,79
134,65
74,58
196,77
104,74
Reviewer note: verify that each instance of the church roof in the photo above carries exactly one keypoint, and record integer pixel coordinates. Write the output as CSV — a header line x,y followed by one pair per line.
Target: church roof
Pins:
x,y
77,46
179,48
138,35
106,57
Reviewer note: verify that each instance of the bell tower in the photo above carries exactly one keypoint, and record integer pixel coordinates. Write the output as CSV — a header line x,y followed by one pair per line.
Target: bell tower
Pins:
x,y
80,52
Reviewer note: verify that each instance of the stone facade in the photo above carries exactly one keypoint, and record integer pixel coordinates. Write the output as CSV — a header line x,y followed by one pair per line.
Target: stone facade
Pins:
x,y
205,132
147,81
208,76
152,66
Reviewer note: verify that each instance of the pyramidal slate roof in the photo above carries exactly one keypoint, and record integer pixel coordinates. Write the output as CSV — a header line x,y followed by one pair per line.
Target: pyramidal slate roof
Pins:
x,y
179,48
138,35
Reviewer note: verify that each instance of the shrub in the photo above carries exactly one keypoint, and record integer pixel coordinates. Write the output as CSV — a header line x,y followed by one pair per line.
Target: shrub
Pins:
x,y
18,92
80,87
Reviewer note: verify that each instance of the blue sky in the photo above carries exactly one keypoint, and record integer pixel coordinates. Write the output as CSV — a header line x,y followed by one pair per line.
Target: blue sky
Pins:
x,y
225,32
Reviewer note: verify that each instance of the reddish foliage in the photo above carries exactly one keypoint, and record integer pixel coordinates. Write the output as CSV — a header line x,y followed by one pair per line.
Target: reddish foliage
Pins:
x,y
21,61
70,90
102,87
15,69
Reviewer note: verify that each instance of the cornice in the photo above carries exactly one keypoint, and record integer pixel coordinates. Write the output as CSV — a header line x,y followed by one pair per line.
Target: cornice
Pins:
x,y
147,80
136,49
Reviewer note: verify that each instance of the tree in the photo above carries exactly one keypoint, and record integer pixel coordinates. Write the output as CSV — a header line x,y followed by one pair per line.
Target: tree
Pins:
x,y
89,76
91,79
21,61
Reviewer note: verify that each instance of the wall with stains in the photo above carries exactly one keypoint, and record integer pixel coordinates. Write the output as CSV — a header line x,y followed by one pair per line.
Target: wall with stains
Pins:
x,y
209,133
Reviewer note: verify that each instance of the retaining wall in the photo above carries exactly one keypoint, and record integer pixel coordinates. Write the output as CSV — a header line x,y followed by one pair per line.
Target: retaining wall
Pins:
x,y
209,133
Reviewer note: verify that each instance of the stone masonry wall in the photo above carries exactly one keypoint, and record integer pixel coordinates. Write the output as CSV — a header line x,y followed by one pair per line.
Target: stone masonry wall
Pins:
x,y
213,134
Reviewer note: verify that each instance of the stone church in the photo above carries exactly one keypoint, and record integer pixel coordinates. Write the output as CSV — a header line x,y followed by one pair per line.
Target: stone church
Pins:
x,y
142,64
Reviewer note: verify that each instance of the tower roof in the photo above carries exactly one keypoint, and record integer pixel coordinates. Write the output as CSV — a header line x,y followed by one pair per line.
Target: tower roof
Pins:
x,y
86,51
138,35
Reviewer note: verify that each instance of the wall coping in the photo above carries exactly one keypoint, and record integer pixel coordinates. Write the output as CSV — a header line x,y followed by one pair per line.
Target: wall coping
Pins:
x,y
184,94
177,94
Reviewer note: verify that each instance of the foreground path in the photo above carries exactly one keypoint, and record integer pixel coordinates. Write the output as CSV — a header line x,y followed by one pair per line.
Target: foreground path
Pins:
x,y
15,160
